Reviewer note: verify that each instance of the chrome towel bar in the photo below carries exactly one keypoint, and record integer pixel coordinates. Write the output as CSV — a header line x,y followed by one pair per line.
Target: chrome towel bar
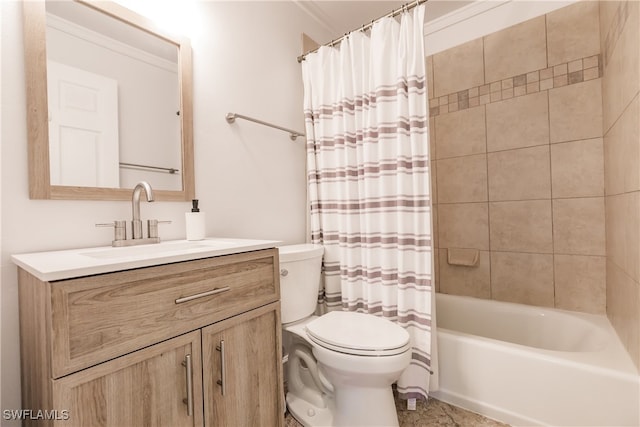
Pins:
x,y
231,117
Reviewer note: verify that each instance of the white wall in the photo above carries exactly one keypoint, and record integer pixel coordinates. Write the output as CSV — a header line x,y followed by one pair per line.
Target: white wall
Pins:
x,y
250,179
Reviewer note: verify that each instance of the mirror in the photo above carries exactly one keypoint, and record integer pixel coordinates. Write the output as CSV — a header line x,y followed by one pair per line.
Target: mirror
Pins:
x,y
109,102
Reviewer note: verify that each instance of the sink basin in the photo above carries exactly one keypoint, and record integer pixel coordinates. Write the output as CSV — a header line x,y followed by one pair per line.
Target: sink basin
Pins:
x,y
146,250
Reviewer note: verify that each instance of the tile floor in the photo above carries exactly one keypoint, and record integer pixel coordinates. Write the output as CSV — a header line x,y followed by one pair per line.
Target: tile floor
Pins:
x,y
431,413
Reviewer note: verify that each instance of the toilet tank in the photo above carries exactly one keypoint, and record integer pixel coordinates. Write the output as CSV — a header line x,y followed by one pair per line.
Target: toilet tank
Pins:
x,y
299,280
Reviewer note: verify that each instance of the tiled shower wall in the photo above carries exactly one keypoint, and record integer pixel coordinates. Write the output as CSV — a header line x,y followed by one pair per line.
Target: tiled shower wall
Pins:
x,y
517,157
620,41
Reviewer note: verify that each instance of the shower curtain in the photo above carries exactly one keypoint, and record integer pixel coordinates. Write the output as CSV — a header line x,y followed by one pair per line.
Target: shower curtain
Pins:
x,y
366,119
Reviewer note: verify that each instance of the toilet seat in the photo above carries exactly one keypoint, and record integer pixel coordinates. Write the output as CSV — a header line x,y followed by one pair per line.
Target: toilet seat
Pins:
x,y
358,334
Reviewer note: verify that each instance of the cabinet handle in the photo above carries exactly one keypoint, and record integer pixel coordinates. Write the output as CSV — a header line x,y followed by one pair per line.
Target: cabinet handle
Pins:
x,y
189,400
203,294
221,382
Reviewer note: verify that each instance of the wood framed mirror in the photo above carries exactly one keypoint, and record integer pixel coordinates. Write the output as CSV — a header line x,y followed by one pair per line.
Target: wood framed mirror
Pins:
x,y
68,124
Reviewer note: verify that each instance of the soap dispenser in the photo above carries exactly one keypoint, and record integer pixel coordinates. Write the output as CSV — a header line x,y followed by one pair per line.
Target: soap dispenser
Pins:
x,y
194,221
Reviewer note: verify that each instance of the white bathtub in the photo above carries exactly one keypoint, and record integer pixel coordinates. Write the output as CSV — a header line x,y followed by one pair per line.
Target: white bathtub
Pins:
x,y
527,365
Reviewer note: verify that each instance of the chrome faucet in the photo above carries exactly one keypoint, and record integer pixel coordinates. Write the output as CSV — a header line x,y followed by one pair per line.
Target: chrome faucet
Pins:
x,y
136,223
120,228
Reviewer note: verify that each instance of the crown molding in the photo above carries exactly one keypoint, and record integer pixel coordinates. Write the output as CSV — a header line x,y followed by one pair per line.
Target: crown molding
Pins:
x,y
316,14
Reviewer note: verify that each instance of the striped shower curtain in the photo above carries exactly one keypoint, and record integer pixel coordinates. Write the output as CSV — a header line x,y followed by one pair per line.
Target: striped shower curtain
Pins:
x,y
368,173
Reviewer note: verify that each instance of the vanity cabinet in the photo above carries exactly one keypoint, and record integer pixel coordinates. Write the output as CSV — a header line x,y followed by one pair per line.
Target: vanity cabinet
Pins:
x,y
182,344
239,370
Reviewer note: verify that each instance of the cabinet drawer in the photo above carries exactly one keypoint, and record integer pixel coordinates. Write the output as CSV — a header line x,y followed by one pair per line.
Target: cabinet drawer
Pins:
x,y
97,318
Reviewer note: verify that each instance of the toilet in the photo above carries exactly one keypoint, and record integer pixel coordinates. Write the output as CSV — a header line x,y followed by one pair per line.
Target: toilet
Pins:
x,y
340,366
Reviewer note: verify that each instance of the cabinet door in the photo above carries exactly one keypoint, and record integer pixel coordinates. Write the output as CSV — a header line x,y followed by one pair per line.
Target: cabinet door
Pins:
x,y
242,370
149,387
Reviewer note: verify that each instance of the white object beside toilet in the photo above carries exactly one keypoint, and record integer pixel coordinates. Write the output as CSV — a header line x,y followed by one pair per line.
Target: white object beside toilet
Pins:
x,y
341,364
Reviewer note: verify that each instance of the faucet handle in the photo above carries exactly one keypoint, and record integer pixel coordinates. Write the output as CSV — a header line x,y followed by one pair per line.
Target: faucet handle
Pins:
x,y
119,229
152,227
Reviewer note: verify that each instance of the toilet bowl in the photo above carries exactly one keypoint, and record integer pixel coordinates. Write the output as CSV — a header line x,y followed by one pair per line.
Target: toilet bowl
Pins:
x,y
340,365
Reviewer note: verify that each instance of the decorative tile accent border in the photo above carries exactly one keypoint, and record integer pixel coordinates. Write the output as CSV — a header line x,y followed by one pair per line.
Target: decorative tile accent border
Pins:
x,y
617,25
568,73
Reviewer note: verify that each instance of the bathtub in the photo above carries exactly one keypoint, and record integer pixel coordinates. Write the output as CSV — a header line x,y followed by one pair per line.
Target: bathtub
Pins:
x,y
527,365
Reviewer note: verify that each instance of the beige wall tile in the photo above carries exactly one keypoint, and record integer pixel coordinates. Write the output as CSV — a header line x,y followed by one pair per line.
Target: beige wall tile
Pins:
x,y
578,226
462,179
458,68
432,138
429,63
464,225
461,133
559,81
607,12
434,232
623,232
516,50
523,226
620,84
591,73
518,122
575,66
590,62
436,269
575,111
580,283
468,281
573,32
621,81
577,168
434,181
622,152
623,309
522,278
546,84
519,174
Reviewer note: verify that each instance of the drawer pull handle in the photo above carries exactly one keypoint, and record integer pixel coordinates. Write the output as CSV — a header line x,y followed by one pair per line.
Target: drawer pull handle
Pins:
x,y
189,400
202,295
221,382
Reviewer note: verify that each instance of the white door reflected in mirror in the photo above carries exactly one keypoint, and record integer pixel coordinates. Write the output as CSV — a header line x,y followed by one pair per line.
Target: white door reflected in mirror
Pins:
x,y
83,127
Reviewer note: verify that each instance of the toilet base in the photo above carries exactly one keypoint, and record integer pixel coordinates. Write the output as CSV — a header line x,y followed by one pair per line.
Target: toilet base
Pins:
x,y
307,414
365,407
354,408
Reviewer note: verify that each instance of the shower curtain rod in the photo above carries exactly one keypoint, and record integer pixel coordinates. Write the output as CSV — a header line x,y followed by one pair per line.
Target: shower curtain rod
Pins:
x,y
231,117
406,7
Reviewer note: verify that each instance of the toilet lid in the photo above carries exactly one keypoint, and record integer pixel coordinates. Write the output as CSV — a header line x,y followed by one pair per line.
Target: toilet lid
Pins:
x,y
358,334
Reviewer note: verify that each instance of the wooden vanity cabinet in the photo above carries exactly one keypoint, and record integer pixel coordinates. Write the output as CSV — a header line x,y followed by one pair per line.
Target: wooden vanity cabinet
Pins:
x,y
240,355
146,346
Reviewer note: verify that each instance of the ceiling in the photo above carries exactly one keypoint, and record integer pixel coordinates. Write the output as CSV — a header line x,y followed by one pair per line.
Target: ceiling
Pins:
x,y
340,17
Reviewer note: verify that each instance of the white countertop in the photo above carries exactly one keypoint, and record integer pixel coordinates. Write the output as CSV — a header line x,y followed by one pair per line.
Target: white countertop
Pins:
x,y
66,264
